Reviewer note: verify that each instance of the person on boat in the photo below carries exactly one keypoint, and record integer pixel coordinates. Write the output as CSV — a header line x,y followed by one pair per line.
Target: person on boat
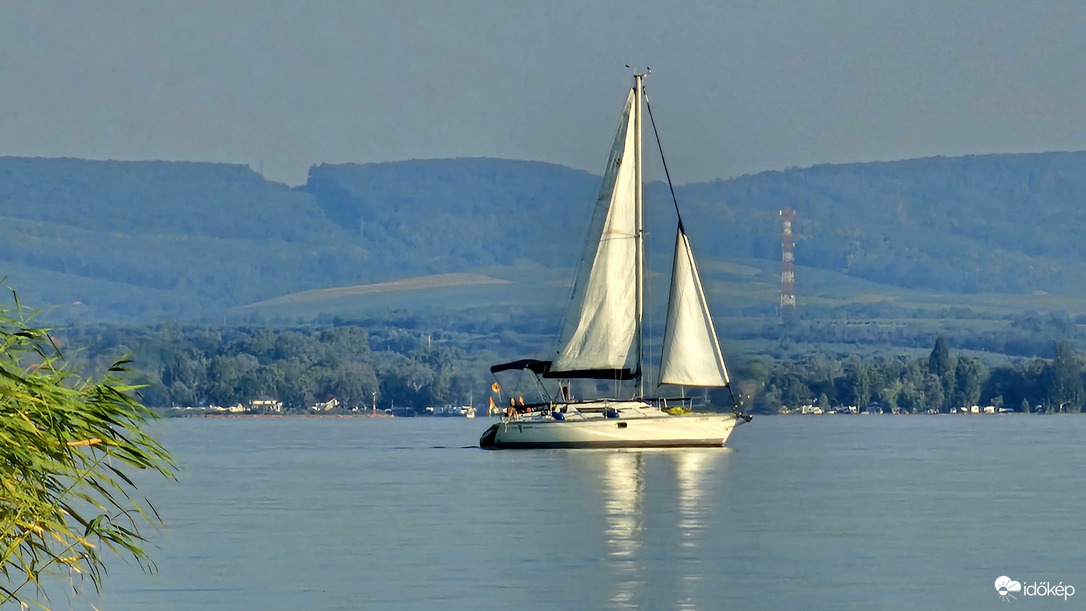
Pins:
x,y
515,409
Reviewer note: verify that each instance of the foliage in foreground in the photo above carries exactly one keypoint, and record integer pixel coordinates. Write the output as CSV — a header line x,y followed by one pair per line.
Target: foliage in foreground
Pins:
x,y
68,448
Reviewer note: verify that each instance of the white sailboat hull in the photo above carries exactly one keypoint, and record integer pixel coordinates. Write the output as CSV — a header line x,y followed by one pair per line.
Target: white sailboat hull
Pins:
x,y
655,431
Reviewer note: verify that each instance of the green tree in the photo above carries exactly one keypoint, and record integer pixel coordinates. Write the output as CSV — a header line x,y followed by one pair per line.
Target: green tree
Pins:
x,y
941,365
861,385
794,393
66,447
1064,379
939,361
407,381
352,383
299,387
970,376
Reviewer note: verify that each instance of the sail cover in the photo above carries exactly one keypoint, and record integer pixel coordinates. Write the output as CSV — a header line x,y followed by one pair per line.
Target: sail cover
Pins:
x,y
600,325
691,353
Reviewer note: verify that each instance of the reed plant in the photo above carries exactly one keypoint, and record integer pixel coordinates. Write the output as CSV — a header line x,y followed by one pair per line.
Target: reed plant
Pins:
x,y
69,449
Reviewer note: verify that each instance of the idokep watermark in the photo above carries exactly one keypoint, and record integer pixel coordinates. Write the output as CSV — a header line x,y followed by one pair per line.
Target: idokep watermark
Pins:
x,y
1007,588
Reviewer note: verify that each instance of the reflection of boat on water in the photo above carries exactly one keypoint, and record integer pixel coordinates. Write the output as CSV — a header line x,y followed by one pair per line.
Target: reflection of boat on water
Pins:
x,y
602,335
656,507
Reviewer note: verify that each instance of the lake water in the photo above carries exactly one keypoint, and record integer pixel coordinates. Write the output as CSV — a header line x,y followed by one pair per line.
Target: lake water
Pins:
x,y
830,512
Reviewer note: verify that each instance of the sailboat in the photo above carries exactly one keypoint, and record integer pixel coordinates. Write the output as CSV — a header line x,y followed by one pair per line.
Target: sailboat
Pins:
x,y
602,332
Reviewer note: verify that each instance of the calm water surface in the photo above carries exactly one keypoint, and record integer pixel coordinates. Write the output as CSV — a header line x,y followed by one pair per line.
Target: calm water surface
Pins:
x,y
831,512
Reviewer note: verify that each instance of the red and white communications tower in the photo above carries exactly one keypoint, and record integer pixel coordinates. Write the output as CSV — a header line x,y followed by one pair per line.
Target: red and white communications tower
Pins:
x,y
788,264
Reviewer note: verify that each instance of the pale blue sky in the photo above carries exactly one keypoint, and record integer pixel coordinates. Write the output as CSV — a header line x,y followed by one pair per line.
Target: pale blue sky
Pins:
x,y
737,86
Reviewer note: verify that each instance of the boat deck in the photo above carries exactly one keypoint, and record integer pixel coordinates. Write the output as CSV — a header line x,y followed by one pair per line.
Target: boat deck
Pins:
x,y
595,410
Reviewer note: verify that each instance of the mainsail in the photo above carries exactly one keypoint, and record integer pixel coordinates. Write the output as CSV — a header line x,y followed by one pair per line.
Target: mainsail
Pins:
x,y
691,353
601,333
600,336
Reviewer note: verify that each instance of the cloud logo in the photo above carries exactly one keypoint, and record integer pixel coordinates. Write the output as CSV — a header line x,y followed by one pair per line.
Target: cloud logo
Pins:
x,y
1005,585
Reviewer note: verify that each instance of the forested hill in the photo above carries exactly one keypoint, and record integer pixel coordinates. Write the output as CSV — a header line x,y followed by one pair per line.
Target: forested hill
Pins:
x,y
999,223
185,240
444,215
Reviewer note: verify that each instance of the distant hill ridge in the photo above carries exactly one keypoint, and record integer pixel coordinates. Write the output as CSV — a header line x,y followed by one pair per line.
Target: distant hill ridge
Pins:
x,y
191,240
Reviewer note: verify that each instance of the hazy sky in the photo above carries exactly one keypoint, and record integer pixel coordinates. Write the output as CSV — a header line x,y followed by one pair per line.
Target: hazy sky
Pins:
x,y
737,86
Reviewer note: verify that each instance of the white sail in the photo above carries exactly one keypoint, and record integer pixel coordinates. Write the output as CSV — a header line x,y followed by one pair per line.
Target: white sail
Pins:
x,y
601,323
691,353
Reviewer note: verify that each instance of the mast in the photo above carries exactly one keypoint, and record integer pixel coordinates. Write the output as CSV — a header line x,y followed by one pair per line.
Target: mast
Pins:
x,y
639,208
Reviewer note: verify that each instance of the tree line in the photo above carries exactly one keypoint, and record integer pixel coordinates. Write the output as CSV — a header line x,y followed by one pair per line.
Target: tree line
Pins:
x,y
387,366
201,366
939,382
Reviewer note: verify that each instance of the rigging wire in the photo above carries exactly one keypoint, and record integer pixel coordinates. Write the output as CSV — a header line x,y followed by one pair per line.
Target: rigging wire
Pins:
x,y
675,201
663,162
